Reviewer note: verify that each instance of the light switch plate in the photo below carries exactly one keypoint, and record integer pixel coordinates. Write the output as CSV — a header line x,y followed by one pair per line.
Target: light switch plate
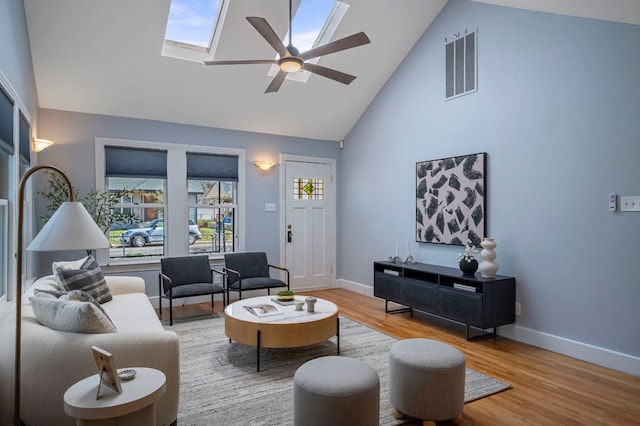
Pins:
x,y
270,207
630,203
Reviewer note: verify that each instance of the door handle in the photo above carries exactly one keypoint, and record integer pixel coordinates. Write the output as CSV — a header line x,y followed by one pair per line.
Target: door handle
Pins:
x,y
289,236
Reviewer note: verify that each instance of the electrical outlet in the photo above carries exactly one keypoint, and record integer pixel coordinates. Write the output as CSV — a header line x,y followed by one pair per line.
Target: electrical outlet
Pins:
x,y
518,309
630,203
270,207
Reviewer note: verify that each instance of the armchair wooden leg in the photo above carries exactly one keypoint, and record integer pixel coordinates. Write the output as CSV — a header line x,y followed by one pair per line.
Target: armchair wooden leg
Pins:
x,y
212,310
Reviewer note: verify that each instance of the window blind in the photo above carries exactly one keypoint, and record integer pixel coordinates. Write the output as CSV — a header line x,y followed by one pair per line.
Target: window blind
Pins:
x,y
202,166
24,134
135,162
6,123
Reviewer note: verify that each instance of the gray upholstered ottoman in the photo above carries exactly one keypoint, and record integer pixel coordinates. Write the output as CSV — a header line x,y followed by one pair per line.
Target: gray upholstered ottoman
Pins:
x,y
334,391
426,380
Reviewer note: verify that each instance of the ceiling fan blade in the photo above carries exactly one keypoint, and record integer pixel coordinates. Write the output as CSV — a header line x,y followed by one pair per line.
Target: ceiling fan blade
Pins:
x,y
330,73
269,35
336,46
241,62
276,82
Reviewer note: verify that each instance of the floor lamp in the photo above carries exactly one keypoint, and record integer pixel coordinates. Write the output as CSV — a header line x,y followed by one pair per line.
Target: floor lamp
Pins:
x,y
70,228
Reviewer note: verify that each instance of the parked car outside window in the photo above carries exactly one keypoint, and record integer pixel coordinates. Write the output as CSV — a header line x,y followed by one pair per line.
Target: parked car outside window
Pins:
x,y
154,233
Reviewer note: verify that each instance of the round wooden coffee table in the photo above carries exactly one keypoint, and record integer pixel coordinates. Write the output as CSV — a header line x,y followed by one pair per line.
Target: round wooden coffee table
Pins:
x,y
288,329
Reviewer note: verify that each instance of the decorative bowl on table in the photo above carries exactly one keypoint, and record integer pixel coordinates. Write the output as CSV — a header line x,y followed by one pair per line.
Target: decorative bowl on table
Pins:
x,y
285,295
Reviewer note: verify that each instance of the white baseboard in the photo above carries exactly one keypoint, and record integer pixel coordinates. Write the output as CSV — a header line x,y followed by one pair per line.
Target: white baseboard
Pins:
x,y
355,287
618,361
607,358
603,357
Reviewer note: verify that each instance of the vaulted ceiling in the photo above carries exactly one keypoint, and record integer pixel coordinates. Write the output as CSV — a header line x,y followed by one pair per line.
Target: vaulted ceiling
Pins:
x,y
104,57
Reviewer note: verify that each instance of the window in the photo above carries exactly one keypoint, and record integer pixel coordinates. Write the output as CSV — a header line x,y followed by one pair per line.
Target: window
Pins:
x,y
191,22
308,189
4,247
141,175
24,135
186,199
15,159
6,144
314,24
211,185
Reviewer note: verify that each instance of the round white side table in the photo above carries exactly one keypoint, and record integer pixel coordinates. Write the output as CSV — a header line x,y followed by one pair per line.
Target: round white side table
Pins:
x,y
135,406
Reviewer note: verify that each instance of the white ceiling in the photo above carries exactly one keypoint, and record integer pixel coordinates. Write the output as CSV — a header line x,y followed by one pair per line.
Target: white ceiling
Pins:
x,y
103,57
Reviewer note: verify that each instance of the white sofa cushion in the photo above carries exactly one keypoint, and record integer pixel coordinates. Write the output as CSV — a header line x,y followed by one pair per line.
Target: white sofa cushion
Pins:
x,y
71,315
132,313
54,360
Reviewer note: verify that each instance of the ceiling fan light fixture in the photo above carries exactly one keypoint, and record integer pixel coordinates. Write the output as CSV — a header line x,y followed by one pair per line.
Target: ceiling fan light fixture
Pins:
x,y
290,64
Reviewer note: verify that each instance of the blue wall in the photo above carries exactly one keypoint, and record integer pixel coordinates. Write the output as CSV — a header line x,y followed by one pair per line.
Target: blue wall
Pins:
x,y
74,152
17,68
15,54
557,112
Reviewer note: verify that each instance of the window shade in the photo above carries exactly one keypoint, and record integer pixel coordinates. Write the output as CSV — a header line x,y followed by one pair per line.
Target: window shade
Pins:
x,y
212,167
25,139
135,162
6,123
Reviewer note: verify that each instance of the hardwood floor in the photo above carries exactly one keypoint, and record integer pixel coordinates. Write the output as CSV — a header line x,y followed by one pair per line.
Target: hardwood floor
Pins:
x,y
547,388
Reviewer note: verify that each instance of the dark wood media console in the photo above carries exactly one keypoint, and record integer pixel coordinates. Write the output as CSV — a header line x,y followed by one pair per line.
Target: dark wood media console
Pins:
x,y
481,303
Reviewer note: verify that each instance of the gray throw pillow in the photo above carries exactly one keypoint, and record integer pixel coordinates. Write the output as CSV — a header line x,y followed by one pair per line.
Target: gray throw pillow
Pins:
x,y
71,315
79,295
88,278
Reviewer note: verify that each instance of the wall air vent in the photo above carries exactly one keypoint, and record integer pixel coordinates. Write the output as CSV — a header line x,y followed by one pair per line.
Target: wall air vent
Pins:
x,y
461,76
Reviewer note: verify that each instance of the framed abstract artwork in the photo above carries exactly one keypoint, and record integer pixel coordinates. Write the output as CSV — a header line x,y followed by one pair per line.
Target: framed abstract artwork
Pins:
x,y
450,200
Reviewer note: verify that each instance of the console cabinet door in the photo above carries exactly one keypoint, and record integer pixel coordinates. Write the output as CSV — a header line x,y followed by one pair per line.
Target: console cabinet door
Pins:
x,y
460,305
387,286
422,295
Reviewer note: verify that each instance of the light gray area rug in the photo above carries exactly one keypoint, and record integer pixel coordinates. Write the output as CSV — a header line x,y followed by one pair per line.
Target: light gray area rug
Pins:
x,y
220,385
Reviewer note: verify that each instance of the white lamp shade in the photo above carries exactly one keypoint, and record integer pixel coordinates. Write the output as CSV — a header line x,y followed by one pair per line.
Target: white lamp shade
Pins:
x,y
70,228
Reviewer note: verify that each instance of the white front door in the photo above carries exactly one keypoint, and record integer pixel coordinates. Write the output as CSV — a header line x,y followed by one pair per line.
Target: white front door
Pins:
x,y
309,201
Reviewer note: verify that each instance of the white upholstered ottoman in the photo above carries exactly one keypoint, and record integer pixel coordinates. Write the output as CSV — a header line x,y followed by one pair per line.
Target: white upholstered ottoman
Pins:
x,y
336,391
426,380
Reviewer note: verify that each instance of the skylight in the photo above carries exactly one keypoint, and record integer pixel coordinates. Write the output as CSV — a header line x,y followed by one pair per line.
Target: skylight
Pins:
x,y
192,21
308,21
194,28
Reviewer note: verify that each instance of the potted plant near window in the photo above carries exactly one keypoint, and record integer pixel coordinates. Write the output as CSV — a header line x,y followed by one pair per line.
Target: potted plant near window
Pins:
x,y
99,204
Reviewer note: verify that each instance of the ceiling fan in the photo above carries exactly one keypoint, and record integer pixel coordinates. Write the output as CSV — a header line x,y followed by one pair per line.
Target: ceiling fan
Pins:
x,y
291,60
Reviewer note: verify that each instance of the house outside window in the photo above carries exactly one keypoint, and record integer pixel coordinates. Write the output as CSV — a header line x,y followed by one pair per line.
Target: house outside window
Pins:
x,y
185,199
212,186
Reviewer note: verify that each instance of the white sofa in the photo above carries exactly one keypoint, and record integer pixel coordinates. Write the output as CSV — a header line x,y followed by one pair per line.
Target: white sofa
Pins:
x,y
54,360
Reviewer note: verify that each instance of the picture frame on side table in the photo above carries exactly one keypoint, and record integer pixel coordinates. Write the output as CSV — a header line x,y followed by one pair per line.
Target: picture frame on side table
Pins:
x,y
106,370
451,200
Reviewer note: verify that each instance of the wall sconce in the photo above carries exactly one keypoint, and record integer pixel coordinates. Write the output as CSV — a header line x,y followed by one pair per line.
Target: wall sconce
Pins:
x,y
265,166
38,145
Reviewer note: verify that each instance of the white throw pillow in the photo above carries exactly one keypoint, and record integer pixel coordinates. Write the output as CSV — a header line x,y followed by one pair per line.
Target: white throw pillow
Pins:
x,y
71,315
66,265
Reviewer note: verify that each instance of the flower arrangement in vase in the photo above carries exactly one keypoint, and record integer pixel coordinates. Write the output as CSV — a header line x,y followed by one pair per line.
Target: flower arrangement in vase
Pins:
x,y
467,260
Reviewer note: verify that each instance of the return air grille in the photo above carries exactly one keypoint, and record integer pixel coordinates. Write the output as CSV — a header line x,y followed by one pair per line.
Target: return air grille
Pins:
x,y
460,66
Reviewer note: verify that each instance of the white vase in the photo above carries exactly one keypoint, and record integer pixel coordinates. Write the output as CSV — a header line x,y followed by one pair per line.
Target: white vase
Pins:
x,y
488,267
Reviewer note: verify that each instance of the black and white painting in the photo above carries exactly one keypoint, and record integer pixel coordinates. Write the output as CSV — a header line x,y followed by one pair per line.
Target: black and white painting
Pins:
x,y
450,200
